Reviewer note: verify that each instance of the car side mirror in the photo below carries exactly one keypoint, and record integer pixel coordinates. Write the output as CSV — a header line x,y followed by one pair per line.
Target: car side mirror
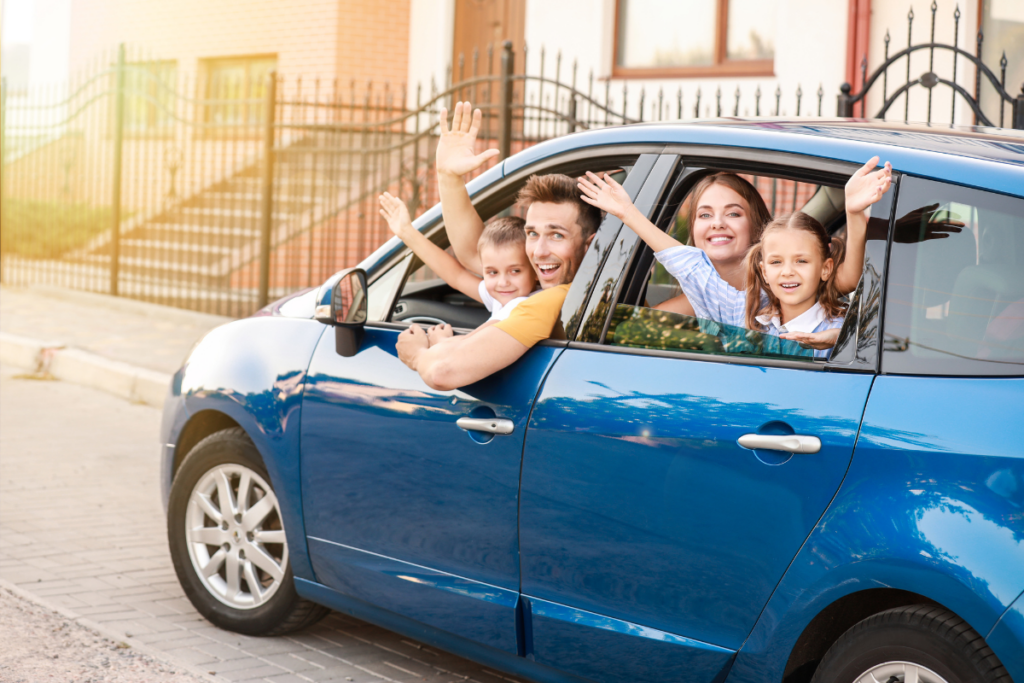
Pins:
x,y
342,303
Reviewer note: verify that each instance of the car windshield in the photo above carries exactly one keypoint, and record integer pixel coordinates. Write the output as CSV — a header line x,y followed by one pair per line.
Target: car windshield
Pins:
x,y
649,328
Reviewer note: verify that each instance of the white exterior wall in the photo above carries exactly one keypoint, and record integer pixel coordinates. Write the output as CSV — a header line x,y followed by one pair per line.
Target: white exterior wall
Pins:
x,y
804,56
810,52
431,41
51,36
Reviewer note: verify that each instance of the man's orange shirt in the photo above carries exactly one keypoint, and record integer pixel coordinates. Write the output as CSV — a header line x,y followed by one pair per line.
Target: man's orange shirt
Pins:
x,y
537,318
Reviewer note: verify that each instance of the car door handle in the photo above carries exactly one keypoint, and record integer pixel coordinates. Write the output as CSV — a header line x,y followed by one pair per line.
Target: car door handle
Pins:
x,y
492,425
791,443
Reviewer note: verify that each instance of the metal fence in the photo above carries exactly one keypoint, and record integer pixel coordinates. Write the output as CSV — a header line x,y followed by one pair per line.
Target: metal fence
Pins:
x,y
983,77
221,196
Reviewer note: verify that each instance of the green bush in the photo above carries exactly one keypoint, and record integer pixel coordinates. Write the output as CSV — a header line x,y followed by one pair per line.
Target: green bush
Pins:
x,y
40,229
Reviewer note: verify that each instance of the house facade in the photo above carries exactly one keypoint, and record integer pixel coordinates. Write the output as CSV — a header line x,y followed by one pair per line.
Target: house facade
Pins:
x,y
664,48
685,46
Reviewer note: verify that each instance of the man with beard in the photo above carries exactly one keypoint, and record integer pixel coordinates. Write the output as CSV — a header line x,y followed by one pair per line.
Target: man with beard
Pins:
x,y
559,228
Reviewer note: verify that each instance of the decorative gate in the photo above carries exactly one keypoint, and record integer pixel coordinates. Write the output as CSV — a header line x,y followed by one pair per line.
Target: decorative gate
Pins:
x,y
929,80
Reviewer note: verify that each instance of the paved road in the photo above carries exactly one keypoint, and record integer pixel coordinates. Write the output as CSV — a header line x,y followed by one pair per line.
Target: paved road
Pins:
x,y
81,525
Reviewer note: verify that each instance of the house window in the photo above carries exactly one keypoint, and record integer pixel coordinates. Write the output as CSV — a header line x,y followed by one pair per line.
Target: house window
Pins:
x,y
681,38
150,96
235,88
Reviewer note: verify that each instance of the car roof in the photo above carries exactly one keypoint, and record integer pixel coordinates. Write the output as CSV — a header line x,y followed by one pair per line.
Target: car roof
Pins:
x,y
987,158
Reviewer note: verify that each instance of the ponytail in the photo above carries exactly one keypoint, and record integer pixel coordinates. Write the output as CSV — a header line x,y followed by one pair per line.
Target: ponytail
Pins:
x,y
756,284
829,295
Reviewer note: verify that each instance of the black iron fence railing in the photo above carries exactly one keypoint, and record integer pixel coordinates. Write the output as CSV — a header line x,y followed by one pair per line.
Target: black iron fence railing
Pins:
x,y
140,182
983,77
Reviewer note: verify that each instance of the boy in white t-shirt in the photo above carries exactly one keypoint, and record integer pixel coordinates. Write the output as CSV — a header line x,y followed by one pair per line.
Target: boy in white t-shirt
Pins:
x,y
508,275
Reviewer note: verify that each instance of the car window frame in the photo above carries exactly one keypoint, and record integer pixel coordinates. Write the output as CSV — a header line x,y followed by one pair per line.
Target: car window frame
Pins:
x,y
496,196
746,161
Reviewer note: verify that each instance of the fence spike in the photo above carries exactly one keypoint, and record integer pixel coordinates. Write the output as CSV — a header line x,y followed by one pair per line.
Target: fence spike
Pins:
x,y
718,101
736,106
607,101
679,96
977,72
910,42
757,100
696,106
821,95
778,98
799,95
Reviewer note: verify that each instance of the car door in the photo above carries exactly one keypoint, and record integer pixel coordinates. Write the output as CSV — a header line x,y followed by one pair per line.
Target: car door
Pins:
x,y
647,533
405,509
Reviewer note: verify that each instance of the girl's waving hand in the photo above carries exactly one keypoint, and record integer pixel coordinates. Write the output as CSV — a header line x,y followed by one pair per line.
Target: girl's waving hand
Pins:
x,y
866,187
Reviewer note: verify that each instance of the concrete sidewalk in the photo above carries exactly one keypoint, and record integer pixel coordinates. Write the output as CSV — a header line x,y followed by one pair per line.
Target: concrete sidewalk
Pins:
x,y
125,347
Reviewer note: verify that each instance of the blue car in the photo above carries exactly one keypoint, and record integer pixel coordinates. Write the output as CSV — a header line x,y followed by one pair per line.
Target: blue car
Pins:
x,y
656,498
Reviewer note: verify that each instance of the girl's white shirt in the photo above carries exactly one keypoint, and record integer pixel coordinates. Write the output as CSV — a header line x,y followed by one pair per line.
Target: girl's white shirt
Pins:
x,y
812,320
499,311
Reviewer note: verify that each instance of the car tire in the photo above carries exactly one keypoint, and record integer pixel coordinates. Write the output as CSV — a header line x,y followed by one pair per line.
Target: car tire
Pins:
x,y
926,640
250,593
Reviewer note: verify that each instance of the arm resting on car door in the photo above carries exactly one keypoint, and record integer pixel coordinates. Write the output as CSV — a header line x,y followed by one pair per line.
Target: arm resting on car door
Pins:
x,y
461,360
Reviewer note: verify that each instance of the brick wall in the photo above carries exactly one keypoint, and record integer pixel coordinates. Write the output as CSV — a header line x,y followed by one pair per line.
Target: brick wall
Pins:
x,y
373,40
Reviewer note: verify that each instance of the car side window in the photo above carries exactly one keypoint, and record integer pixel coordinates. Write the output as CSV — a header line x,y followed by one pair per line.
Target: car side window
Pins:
x,y
652,315
426,299
955,291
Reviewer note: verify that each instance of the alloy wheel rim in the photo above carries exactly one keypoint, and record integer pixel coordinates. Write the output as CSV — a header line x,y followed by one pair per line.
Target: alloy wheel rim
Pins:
x,y
235,536
899,672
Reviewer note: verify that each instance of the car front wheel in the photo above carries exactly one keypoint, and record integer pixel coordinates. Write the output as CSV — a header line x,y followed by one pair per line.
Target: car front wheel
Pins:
x,y
227,540
913,644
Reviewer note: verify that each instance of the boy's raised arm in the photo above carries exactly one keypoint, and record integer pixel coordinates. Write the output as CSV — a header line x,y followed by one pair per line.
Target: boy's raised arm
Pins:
x,y
864,188
456,156
437,259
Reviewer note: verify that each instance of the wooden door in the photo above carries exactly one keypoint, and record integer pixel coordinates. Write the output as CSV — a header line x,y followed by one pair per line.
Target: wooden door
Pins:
x,y
479,23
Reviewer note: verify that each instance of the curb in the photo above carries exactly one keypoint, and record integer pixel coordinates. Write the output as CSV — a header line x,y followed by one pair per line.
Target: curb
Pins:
x,y
110,634
53,359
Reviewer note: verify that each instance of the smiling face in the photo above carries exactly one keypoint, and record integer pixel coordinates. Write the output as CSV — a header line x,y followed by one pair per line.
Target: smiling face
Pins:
x,y
507,272
721,225
794,269
554,242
